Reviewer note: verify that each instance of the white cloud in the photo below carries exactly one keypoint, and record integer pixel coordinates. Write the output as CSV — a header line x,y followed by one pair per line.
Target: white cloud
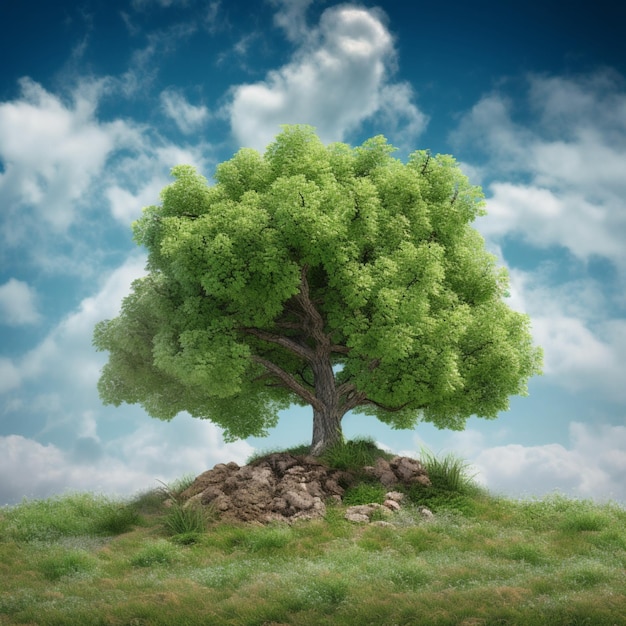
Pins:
x,y
185,445
126,206
52,151
291,17
211,22
10,376
66,355
188,117
125,466
136,181
547,218
584,348
558,179
338,78
592,466
18,304
399,116
56,382
572,351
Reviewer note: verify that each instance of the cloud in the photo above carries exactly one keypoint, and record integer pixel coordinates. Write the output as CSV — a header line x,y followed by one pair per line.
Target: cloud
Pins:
x,y
66,355
337,79
291,17
125,466
555,179
126,206
545,218
584,346
18,304
145,63
592,466
211,22
10,376
187,117
52,151
136,181
52,392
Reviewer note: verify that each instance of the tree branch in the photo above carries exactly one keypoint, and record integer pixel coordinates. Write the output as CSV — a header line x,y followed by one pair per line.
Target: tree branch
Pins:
x,y
313,322
391,409
293,346
352,401
289,381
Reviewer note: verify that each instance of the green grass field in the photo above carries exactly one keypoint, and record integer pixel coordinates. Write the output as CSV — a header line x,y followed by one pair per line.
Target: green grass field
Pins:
x,y
82,559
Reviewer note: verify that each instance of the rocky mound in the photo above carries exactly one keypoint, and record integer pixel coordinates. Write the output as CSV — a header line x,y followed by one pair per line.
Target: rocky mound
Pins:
x,y
284,487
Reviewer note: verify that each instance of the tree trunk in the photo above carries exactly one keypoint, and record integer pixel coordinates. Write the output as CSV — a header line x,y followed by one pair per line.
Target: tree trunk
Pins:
x,y
327,417
326,431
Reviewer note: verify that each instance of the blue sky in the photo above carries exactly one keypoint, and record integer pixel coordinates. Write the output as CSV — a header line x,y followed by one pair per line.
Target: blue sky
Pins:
x,y
98,100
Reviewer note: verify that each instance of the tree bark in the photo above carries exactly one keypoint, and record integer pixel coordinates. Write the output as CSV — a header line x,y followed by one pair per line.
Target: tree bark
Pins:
x,y
326,430
327,417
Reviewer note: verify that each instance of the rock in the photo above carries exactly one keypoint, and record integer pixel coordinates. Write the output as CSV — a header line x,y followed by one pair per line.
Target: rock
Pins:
x,y
383,472
392,505
426,513
409,471
279,487
358,512
282,487
400,470
396,496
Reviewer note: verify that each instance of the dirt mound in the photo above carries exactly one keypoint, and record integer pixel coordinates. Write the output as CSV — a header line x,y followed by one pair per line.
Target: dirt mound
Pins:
x,y
284,487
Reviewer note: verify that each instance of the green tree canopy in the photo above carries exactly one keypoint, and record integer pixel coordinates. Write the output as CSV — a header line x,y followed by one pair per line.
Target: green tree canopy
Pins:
x,y
332,276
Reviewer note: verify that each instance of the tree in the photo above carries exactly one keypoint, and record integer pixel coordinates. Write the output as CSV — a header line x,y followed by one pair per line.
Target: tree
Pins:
x,y
331,276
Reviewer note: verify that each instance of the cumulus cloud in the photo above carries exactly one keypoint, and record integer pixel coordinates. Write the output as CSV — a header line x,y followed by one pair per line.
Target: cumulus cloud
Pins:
x,y
556,180
51,151
291,17
134,463
337,79
52,389
188,117
592,466
544,218
10,376
584,346
18,304
137,180
65,355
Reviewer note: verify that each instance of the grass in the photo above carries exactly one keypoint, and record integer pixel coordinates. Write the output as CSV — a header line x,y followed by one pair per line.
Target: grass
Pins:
x,y
184,521
483,560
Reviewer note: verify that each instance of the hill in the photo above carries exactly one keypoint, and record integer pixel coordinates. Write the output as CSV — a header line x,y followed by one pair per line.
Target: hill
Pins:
x,y
87,559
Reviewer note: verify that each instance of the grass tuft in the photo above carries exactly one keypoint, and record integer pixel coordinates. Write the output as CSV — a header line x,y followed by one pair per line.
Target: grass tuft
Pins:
x,y
354,455
67,516
66,563
448,473
185,521
155,553
365,493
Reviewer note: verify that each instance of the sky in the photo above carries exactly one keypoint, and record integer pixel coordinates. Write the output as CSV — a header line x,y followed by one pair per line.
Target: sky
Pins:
x,y
99,99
